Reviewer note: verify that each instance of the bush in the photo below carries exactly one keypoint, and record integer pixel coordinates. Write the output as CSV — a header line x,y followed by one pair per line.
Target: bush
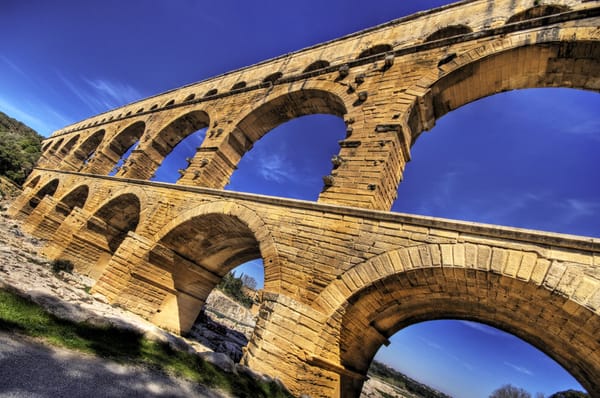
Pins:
x,y
233,287
62,265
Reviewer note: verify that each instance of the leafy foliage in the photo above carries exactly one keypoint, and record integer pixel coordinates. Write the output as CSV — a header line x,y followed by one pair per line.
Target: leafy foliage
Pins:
x,y
62,265
509,391
234,288
20,148
569,394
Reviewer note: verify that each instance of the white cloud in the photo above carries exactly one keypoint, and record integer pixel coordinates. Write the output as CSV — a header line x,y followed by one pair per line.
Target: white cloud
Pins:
x,y
273,168
484,328
520,369
101,95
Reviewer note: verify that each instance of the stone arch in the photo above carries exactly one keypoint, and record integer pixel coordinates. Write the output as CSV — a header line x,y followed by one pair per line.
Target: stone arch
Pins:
x,y
56,145
177,129
285,107
543,61
449,31
54,216
69,145
316,65
48,189
262,119
88,147
251,221
107,227
538,11
374,50
198,248
77,197
238,86
273,77
34,181
497,286
126,139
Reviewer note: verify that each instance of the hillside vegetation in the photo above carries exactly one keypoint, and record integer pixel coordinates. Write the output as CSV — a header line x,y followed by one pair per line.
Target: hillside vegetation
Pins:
x,y
20,149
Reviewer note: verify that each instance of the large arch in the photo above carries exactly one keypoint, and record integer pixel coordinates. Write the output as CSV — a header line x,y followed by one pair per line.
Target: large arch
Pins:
x,y
374,300
215,170
127,138
198,248
87,149
476,74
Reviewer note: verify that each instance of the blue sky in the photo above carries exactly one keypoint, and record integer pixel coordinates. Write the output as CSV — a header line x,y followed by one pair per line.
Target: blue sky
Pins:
x,y
526,158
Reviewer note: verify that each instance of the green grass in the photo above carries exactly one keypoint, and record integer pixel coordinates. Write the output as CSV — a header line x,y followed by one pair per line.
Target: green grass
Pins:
x,y
19,315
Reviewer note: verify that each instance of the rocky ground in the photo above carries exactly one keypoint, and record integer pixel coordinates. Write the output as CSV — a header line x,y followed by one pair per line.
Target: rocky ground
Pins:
x,y
220,334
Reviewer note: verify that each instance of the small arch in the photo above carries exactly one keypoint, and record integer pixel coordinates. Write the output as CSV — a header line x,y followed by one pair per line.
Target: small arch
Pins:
x,y
124,142
76,198
155,106
69,145
537,12
128,114
449,31
171,102
118,216
33,182
377,49
103,120
86,150
319,64
46,146
57,144
140,110
238,85
189,97
211,92
273,77
48,189
111,118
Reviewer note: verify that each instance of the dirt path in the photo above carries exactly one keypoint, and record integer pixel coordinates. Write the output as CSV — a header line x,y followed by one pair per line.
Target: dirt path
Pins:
x,y
30,369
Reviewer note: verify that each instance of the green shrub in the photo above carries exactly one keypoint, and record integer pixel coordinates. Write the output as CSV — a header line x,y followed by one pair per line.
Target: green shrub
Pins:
x,y
62,265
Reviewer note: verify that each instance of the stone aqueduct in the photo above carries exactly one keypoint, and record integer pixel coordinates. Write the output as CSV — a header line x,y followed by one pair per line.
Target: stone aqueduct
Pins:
x,y
341,274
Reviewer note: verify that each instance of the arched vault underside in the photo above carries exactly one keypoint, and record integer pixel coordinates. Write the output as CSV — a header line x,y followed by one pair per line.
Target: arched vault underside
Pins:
x,y
557,326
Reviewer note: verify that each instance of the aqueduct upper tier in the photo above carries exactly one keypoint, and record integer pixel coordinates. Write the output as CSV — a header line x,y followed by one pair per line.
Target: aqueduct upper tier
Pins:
x,y
341,274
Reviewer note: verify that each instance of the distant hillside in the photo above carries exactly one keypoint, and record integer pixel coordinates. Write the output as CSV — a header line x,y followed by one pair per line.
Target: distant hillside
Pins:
x,y
20,149
395,378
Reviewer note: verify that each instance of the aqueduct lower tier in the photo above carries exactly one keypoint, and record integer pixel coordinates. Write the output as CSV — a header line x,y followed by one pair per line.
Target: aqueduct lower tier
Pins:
x,y
340,276
339,281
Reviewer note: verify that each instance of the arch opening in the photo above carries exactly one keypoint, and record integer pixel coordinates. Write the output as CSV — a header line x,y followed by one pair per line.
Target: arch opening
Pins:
x,y
199,253
69,145
470,359
319,64
48,189
498,157
125,142
115,219
230,310
76,198
538,11
377,49
449,31
287,162
85,152
385,306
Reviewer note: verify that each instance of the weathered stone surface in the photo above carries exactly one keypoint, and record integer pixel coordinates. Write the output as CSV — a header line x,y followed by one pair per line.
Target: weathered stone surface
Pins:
x,y
340,277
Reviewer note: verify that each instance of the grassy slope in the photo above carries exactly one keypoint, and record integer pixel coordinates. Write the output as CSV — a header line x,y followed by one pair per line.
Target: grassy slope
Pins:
x,y
21,316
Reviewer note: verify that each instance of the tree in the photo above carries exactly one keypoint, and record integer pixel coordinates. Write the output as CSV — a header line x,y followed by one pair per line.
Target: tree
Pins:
x,y
569,394
249,282
509,391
